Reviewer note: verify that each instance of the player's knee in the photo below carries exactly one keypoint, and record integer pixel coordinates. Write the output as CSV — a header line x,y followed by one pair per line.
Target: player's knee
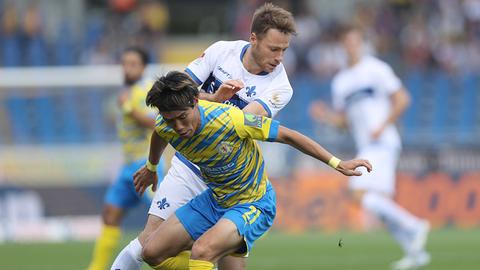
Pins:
x,y
201,250
151,256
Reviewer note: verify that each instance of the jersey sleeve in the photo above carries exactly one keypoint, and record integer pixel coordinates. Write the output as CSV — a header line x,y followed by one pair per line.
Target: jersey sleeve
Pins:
x,y
388,81
253,126
277,95
200,68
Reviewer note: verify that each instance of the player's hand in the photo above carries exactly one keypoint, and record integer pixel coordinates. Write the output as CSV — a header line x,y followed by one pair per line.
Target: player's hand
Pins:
x,y
319,111
143,178
349,167
227,90
377,133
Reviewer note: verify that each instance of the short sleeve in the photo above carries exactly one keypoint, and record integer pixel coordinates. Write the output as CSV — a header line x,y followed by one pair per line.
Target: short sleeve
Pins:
x,y
200,68
139,94
253,126
388,81
277,95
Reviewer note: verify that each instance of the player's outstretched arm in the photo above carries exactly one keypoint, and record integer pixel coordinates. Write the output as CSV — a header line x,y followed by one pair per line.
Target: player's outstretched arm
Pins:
x,y
312,148
147,175
224,92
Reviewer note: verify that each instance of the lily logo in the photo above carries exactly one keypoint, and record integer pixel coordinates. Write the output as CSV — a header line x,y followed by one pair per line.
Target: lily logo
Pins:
x,y
251,91
162,204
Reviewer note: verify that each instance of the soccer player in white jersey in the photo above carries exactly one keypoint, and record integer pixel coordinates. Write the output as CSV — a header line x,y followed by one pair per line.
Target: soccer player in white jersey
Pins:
x,y
249,75
369,98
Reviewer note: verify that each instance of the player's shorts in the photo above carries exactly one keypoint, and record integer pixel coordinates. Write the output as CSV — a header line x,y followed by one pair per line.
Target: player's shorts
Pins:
x,y
181,184
382,178
121,193
251,219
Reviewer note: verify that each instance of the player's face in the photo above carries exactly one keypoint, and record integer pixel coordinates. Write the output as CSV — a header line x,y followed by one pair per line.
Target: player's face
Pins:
x,y
353,44
132,67
268,50
183,122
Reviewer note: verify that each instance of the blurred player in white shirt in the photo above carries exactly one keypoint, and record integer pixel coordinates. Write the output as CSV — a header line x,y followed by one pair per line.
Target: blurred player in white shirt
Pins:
x,y
369,98
246,74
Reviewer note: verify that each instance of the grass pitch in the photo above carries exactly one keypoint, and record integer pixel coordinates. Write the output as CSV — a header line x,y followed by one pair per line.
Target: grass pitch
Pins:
x,y
450,249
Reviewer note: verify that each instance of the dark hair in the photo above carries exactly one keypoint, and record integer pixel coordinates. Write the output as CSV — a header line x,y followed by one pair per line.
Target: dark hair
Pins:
x,y
173,92
270,16
141,52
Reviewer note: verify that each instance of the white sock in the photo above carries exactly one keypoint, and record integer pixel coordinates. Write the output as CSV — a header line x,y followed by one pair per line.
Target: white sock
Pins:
x,y
398,221
130,258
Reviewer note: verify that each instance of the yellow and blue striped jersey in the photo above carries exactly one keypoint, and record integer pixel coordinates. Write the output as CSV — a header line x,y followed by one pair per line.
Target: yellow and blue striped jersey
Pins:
x,y
224,149
135,138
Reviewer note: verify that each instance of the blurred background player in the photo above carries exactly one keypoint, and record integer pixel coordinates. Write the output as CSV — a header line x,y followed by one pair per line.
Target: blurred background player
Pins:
x,y
369,98
248,75
134,126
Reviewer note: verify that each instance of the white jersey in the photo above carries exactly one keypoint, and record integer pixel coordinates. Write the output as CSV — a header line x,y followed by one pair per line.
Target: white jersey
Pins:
x,y
222,61
363,92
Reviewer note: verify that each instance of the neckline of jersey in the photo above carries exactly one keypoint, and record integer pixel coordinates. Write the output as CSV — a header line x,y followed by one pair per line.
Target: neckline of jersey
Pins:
x,y
242,54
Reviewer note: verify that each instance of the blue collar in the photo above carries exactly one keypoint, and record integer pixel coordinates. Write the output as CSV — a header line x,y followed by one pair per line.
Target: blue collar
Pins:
x,y
242,54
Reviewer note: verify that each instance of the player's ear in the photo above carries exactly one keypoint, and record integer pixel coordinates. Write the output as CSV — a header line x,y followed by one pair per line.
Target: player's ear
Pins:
x,y
253,38
195,101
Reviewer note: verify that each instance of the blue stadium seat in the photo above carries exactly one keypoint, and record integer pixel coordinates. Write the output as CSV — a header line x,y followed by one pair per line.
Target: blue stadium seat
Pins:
x,y
10,50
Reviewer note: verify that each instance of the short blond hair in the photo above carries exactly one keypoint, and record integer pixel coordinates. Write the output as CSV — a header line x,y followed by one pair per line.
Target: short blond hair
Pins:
x,y
270,16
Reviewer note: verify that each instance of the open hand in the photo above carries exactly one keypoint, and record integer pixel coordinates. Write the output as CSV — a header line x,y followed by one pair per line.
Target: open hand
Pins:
x,y
227,90
349,167
143,178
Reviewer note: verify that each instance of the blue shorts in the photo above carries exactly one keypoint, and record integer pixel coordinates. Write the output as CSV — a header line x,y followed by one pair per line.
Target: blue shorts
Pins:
x,y
121,193
251,219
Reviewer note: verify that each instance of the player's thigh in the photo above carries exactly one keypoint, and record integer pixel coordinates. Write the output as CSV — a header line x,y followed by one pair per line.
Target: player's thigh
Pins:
x,y
178,187
153,222
221,239
167,240
232,263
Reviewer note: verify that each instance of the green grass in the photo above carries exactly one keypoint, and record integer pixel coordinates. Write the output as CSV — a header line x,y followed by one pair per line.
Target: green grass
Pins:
x,y
450,249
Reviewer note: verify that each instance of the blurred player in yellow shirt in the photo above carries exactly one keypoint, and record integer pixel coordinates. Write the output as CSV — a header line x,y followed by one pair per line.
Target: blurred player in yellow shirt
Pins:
x,y
135,124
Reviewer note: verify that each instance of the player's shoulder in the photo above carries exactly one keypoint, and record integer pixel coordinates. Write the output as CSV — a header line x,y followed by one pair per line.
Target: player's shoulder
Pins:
x,y
374,62
227,46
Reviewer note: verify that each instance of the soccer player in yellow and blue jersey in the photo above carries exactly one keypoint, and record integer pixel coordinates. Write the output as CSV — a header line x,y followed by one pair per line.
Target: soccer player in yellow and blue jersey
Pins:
x,y
135,125
239,205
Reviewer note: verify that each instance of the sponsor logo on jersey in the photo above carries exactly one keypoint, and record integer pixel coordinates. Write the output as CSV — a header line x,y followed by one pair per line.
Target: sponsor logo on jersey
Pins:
x,y
252,120
224,72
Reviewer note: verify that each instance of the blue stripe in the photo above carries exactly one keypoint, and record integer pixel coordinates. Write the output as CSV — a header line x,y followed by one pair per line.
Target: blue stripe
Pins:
x,y
236,101
273,133
267,109
190,165
193,76
244,50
